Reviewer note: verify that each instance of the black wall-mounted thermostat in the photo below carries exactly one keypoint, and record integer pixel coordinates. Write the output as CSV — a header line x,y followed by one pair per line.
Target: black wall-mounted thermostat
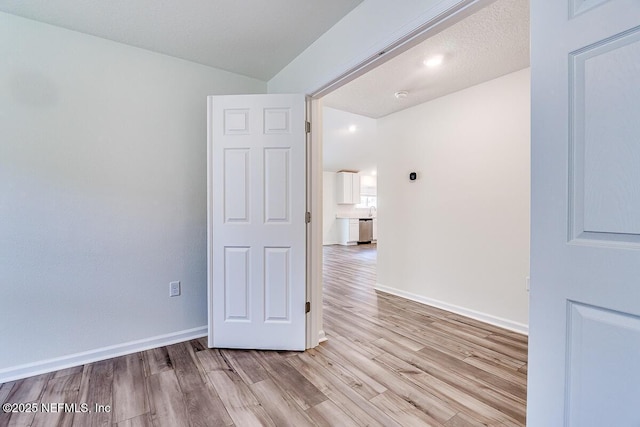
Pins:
x,y
413,176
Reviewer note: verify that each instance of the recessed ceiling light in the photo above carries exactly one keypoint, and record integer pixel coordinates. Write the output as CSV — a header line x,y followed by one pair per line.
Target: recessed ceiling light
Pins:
x,y
401,94
352,128
434,61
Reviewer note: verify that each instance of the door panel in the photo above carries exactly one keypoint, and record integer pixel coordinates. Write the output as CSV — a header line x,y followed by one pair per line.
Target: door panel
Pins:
x,y
597,377
605,81
584,331
257,229
277,171
237,306
237,203
277,280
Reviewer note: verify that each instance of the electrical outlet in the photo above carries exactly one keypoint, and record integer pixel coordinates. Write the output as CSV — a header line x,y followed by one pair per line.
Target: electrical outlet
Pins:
x,y
528,281
174,289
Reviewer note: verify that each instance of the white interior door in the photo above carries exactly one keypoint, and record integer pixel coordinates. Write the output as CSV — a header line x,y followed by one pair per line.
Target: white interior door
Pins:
x,y
257,227
584,359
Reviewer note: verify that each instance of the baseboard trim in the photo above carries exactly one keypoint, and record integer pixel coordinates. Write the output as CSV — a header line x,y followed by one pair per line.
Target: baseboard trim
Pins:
x,y
42,367
322,337
477,315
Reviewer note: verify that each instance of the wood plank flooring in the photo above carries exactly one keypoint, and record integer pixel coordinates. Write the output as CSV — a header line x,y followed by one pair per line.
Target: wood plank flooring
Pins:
x,y
388,362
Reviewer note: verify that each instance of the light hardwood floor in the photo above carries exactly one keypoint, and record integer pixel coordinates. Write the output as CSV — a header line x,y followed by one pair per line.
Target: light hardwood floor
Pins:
x,y
388,362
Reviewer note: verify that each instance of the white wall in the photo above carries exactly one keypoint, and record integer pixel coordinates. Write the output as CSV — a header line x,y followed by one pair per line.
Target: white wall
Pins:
x,y
459,235
343,149
102,191
329,209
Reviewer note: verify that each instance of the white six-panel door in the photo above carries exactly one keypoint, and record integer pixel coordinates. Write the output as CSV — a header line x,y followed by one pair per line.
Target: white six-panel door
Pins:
x,y
584,359
257,228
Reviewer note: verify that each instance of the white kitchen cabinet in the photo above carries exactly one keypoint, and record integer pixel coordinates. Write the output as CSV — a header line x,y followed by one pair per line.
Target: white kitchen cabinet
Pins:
x,y
375,229
347,188
349,231
354,230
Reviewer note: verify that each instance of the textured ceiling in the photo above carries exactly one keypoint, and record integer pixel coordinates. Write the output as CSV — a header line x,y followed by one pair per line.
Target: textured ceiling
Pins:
x,y
488,44
256,38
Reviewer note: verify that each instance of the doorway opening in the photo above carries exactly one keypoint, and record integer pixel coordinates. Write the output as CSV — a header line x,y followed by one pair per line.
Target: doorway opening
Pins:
x,y
443,239
447,132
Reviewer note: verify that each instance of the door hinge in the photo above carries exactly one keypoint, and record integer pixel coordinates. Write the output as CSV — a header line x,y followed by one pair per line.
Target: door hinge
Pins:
x,y
307,127
307,307
307,217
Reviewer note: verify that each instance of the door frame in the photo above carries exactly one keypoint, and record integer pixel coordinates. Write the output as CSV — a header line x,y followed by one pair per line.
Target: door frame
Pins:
x,y
445,14
314,332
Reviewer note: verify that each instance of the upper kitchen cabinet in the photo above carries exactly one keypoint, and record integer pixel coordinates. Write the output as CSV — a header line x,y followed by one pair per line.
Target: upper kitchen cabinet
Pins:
x,y
347,188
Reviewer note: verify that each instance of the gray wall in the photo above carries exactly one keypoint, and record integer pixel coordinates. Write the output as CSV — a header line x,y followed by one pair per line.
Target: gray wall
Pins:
x,y
102,191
